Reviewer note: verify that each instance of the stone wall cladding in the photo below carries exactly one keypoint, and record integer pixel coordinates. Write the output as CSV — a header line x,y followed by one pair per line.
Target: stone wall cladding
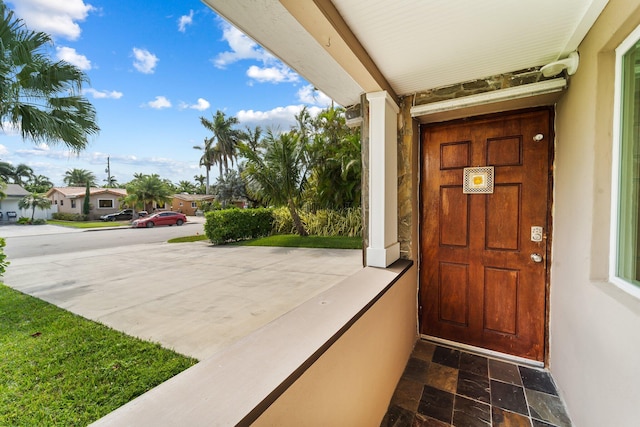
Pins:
x,y
488,84
406,180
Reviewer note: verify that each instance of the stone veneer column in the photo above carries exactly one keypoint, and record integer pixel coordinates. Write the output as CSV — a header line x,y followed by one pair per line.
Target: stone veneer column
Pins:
x,y
384,247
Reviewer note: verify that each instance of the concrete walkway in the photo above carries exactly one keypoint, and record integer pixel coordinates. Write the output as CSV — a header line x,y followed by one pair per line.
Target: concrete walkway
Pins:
x,y
192,297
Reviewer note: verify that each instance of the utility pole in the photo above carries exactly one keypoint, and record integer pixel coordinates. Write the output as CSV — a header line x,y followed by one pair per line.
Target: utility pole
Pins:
x,y
108,171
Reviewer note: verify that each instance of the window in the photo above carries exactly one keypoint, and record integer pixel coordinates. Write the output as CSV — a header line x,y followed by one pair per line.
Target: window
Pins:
x,y
194,205
61,202
73,203
105,203
625,262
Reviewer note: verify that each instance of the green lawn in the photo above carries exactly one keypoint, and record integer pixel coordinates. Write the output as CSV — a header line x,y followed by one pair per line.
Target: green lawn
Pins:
x,y
89,224
59,369
296,241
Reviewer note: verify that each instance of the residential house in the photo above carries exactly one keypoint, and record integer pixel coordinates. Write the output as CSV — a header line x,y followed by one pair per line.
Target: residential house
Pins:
x,y
102,200
9,209
188,204
500,145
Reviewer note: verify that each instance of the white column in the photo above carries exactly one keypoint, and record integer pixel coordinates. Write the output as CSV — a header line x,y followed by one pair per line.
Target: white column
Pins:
x,y
384,247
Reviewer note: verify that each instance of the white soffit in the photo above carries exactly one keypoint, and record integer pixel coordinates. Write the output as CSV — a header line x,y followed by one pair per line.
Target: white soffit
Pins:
x,y
424,44
416,44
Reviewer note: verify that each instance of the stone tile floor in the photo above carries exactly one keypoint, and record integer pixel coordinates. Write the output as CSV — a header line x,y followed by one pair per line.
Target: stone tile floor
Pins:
x,y
443,387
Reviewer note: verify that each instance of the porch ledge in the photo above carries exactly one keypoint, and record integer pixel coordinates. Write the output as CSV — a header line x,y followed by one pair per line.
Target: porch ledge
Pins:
x,y
235,386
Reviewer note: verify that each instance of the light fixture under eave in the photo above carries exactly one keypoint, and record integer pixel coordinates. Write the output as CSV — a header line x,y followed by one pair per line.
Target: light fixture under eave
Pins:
x,y
570,63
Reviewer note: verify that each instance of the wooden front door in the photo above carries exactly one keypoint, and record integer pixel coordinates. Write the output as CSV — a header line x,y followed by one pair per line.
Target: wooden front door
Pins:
x,y
484,256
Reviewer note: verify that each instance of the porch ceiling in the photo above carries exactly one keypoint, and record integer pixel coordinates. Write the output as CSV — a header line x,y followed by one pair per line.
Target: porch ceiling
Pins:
x,y
348,47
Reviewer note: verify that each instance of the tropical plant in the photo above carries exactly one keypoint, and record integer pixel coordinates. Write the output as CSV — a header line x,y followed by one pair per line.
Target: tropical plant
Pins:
x,y
3,187
111,182
278,172
186,187
33,201
39,97
230,187
79,178
145,190
210,156
15,174
225,137
3,258
38,184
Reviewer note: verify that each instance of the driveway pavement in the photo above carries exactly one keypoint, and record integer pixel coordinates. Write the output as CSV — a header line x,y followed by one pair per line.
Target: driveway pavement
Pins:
x,y
192,297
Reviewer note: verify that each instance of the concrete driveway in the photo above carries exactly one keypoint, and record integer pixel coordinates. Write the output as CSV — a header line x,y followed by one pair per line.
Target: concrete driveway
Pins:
x,y
192,297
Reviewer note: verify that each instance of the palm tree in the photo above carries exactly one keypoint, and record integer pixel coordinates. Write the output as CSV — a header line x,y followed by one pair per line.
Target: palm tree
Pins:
x,y
225,136
7,171
22,171
112,182
40,97
33,201
38,184
279,172
79,178
210,156
185,187
145,190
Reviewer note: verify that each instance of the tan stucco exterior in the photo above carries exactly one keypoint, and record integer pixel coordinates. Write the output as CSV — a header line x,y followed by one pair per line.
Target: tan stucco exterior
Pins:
x,y
594,326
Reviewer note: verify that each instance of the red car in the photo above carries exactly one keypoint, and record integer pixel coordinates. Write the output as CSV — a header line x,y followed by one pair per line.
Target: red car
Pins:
x,y
160,218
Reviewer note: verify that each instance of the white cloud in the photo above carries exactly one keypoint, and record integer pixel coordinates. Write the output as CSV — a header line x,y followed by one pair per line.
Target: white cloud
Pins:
x,y
8,129
201,105
277,74
282,118
159,103
70,55
185,20
55,17
3,150
310,95
144,61
242,47
97,94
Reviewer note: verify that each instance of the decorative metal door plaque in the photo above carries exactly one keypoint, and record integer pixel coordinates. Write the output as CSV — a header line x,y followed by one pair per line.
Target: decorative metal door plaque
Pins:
x,y
478,180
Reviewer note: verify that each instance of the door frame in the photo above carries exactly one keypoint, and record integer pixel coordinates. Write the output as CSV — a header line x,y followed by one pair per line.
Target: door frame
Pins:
x,y
549,232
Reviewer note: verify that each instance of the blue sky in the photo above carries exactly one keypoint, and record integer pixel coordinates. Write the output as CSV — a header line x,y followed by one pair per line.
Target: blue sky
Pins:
x,y
155,67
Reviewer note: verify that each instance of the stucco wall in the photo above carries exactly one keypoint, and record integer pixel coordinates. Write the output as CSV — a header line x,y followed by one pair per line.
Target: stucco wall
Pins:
x,y
594,327
351,384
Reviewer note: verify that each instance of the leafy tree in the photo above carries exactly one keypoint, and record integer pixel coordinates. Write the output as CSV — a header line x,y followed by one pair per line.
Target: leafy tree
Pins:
x,y
230,187
86,206
278,172
33,201
225,138
40,97
38,184
145,190
79,178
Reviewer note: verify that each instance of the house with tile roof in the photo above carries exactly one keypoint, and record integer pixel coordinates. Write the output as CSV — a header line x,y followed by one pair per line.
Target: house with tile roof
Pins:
x,y
102,200
9,210
188,204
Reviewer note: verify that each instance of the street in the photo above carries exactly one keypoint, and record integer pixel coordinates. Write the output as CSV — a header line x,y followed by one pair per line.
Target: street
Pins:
x,y
22,242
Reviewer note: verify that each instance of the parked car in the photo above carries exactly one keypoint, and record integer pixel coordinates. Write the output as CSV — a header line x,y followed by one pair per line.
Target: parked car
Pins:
x,y
160,218
122,215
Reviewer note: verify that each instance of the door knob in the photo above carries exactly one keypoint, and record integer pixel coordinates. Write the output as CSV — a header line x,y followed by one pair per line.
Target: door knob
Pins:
x,y
536,257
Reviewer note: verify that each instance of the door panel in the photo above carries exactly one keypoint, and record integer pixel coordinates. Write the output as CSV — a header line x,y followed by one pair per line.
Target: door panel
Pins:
x,y
478,283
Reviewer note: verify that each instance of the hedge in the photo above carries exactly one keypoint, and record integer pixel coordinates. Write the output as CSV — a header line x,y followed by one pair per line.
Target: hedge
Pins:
x,y
230,225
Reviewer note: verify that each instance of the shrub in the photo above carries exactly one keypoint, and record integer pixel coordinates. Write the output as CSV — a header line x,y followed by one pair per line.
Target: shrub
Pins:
x,y
66,216
3,262
39,221
24,220
230,225
323,222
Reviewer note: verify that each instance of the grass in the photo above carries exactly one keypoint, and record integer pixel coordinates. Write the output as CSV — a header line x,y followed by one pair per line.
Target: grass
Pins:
x,y
89,224
59,369
296,241
188,239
